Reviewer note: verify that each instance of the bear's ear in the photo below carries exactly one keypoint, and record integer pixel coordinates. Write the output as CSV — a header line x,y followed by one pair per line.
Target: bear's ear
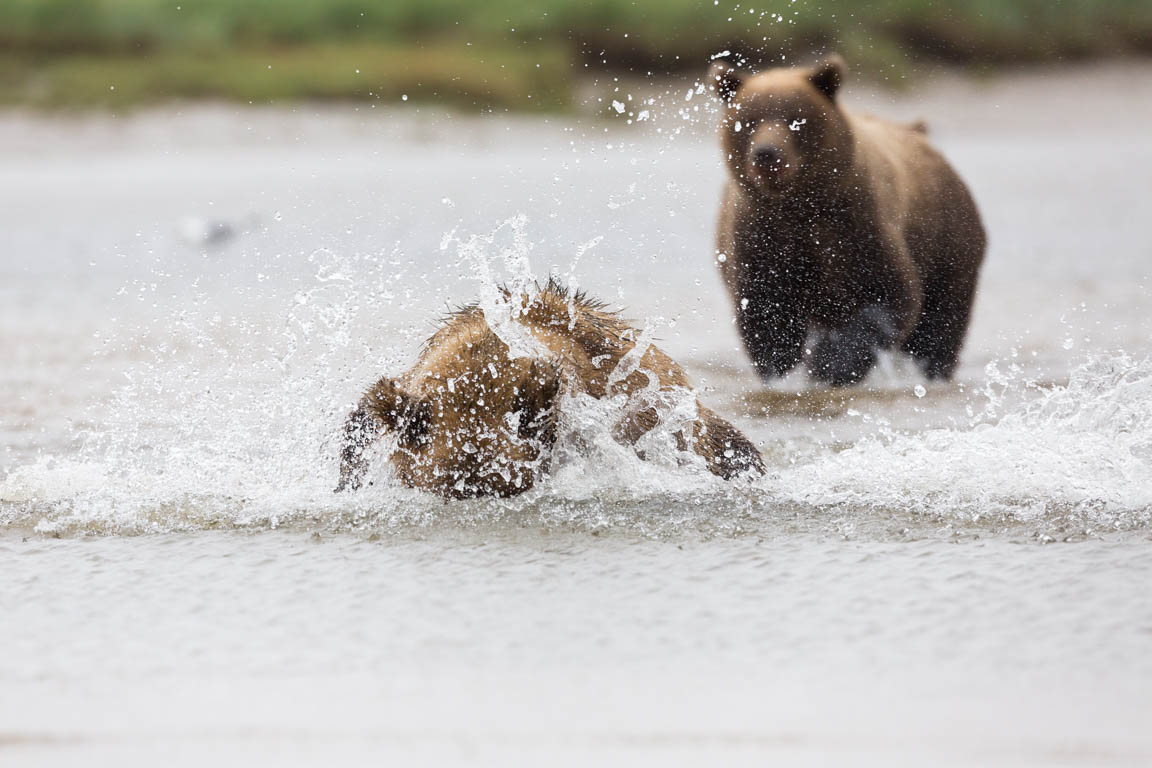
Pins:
x,y
828,76
397,410
724,79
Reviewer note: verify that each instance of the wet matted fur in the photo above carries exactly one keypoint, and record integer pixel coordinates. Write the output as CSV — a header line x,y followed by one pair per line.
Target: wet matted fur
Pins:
x,y
841,233
471,419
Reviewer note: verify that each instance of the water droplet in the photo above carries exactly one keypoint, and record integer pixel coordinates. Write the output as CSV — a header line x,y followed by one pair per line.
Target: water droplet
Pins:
x,y
920,391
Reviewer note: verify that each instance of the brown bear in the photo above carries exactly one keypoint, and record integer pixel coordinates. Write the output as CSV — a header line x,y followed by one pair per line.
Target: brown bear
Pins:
x,y
473,418
839,233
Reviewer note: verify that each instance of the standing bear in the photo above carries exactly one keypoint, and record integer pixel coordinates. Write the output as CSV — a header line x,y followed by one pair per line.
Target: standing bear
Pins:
x,y
839,233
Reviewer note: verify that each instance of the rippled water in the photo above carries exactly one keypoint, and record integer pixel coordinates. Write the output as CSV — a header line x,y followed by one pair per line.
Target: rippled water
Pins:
x,y
929,573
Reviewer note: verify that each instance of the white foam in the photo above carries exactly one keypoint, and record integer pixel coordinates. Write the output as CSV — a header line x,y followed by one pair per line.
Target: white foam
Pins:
x,y
1084,449
231,420
228,417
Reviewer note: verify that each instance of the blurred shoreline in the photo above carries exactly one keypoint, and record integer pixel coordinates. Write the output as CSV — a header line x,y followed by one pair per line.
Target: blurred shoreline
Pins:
x,y
1083,98
507,56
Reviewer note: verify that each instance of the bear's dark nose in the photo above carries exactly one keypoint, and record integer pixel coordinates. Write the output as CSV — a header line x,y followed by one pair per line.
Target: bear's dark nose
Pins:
x,y
767,158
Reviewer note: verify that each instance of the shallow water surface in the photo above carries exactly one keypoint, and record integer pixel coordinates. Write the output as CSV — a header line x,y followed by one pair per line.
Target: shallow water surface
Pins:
x,y
946,574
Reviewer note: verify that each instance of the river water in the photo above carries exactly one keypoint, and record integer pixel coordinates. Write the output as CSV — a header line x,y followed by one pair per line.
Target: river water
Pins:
x,y
191,299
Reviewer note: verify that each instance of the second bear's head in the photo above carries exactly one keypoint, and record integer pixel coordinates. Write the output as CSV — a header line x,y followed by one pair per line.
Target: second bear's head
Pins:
x,y
782,128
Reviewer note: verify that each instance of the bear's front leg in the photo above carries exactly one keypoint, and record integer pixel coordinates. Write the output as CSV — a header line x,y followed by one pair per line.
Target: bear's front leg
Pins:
x,y
844,355
360,429
879,278
773,333
726,450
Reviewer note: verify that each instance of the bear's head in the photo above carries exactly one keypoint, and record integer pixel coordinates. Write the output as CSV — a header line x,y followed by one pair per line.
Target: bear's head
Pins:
x,y
470,420
781,127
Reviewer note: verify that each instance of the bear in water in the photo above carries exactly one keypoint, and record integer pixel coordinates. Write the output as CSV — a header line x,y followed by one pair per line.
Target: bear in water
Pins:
x,y
839,229
475,418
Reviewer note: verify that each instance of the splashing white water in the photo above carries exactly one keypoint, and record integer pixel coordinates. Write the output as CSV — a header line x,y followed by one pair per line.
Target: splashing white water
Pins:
x,y
1084,449
475,255
228,416
233,396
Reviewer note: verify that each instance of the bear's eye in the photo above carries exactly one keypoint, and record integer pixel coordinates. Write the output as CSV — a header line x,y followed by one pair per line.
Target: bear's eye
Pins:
x,y
415,426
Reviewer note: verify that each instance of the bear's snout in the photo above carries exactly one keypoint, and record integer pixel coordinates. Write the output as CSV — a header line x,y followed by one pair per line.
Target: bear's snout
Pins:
x,y
768,157
770,164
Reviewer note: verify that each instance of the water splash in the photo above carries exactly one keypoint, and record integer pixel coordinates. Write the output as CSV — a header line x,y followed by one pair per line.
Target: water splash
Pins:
x,y
500,289
233,393
1081,451
232,400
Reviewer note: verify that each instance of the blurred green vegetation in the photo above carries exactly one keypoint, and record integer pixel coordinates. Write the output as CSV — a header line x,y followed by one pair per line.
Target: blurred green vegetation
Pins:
x,y
485,79
498,53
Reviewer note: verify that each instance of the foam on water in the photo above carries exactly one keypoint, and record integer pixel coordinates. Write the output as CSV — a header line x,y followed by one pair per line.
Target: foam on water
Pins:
x,y
233,396
1083,450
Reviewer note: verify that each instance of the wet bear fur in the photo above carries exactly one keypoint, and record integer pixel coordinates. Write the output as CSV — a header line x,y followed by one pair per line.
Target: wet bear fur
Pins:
x,y
839,233
471,420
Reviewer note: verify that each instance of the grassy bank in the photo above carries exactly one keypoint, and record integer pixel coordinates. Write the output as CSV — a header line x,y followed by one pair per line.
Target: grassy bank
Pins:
x,y
476,78
503,53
